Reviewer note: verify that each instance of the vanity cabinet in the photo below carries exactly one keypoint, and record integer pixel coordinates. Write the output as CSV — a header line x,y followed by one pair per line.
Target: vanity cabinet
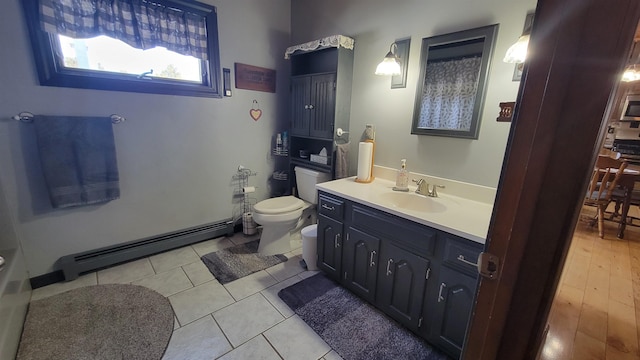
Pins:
x,y
329,245
452,309
329,235
403,277
360,263
422,277
457,282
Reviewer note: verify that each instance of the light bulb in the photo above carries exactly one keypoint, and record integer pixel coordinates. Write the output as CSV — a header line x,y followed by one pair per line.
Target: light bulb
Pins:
x,y
388,66
517,53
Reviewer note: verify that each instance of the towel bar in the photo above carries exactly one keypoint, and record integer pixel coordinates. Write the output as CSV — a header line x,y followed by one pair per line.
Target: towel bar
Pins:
x,y
27,117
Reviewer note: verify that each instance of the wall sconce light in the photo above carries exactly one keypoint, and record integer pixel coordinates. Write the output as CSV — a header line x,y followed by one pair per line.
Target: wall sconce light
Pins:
x,y
390,65
517,52
631,74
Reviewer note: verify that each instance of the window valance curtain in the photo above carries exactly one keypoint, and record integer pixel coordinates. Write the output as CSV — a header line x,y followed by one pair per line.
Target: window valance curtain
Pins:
x,y
449,94
139,23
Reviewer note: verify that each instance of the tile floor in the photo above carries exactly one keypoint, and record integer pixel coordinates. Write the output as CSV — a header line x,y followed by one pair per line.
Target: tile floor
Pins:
x,y
596,309
244,319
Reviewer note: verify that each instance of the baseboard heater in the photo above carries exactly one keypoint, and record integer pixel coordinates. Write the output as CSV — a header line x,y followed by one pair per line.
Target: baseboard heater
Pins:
x,y
75,264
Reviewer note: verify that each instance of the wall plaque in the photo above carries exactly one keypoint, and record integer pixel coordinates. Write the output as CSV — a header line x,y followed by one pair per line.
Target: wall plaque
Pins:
x,y
255,78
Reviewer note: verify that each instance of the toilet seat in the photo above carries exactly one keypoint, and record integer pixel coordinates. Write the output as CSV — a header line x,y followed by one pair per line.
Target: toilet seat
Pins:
x,y
278,205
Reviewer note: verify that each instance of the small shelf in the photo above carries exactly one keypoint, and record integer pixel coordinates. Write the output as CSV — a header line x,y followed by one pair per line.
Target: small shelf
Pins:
x,y
307,137
310,164
280,152
280,175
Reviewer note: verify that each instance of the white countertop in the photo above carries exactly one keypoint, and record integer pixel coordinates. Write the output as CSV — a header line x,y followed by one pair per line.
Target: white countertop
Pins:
x,y
456,215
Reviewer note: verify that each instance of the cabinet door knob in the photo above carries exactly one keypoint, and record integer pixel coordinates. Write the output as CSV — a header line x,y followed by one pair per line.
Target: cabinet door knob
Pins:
x,y
371,263
389,266
442,287
336,242
306,106
310,107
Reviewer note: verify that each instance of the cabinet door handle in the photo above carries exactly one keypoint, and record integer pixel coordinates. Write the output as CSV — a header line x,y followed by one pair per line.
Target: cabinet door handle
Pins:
x,y
440,297
389,266
461,258
336,242
371,263
327,207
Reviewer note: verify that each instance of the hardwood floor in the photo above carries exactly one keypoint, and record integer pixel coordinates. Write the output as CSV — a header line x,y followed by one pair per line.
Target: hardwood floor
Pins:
x,y
596,310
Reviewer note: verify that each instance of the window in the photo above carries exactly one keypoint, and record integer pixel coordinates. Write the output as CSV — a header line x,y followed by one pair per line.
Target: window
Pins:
x,y
159,46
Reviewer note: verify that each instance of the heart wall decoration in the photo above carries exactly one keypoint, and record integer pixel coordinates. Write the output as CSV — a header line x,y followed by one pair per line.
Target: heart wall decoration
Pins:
x,y
255,111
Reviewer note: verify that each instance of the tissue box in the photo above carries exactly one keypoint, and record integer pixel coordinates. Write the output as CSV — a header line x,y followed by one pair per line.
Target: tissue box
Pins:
x,y
319,159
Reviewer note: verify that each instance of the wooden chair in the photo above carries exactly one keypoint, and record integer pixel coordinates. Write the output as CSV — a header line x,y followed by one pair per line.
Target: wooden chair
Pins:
x,y
619,196
606,174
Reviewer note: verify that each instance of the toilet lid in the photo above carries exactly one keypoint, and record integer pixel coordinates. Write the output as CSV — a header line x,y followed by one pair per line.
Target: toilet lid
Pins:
x,y
278,205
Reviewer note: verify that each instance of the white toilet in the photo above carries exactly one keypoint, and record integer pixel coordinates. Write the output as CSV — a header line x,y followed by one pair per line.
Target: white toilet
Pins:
x,y
279,216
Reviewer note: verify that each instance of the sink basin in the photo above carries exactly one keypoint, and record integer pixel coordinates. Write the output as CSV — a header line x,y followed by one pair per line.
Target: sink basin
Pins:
x,y
412,201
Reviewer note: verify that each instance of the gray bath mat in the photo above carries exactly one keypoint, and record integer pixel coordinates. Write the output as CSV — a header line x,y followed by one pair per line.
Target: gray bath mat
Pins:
x,y
98,322
353,328
238,261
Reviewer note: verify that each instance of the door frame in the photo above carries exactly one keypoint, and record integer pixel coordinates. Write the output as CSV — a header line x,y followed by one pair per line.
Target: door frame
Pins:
x,y
577,51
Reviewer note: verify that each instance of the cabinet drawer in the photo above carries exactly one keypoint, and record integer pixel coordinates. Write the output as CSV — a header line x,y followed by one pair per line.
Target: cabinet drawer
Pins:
x,y
461,254
330,206
404,233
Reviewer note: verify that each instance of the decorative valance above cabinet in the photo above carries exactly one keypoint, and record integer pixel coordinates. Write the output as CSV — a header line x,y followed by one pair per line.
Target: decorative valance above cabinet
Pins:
x,y
336,41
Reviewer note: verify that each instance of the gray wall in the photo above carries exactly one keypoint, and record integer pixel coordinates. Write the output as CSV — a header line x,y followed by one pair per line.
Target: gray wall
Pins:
x,y
375,24
176,155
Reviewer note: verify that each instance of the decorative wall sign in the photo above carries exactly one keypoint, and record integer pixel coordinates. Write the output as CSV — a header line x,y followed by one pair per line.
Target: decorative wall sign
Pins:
x,y
255,111
255,78
506,111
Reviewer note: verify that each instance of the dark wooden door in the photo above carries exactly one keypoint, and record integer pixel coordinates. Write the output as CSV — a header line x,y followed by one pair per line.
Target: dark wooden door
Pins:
x,y
402,277
555,136
300,100
452,310
322,106
329,245
360,263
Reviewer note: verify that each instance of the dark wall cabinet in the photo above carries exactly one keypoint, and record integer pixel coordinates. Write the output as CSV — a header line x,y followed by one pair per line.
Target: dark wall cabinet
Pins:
x,y
423,278
313,102
320,103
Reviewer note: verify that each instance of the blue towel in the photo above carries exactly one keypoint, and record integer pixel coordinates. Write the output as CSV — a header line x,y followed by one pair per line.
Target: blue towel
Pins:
x,y
78,159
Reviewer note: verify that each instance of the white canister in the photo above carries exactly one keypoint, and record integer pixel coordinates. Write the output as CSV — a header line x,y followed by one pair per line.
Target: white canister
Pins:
x,y
249,227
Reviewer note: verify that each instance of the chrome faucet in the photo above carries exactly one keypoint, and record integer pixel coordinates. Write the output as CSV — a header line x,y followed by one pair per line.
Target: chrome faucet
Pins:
x,y
425,189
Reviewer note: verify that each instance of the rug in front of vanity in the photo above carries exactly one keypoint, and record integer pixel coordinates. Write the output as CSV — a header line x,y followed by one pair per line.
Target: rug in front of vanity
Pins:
x,y
99,322
352,327
238,261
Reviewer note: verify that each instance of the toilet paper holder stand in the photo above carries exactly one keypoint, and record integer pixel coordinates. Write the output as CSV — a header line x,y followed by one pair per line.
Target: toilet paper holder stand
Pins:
x,y
241,177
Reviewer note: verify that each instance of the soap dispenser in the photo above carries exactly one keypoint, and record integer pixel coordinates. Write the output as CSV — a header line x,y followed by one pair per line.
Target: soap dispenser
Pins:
x,y
402,179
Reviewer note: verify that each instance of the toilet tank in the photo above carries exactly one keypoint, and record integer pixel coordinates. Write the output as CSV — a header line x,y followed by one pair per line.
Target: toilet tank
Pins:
x,y
306,180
